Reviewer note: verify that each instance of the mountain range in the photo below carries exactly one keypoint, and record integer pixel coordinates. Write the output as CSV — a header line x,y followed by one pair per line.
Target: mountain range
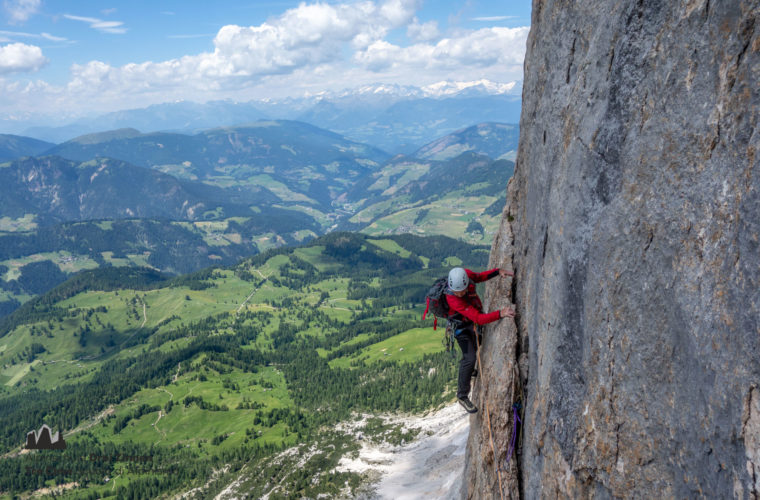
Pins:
x,y
14,146
495,140
61,190
251,369
179,202
397,119
313,163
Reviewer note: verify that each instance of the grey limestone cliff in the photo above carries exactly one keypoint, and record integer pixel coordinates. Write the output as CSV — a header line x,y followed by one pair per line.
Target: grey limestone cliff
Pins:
x,y
633,226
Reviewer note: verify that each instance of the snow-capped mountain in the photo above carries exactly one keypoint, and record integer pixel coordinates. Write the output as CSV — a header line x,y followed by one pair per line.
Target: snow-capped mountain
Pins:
x,y
486,87
446,88
396,118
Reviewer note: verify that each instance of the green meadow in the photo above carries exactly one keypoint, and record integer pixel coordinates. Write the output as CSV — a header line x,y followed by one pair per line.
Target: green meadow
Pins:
x,y
229,365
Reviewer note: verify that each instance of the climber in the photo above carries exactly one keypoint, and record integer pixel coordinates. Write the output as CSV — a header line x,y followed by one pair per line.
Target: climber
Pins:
x,y
466,311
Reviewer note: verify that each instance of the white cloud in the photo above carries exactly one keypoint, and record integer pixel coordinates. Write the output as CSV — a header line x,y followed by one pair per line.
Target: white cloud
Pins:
x,y
21,34
89,20
307,36
52,38
21,10
481,48
115,27
21,58
422,32
309,48
17,34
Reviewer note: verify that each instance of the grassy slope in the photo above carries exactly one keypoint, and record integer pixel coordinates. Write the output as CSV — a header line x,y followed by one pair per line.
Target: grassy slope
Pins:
x,y
448,216
117,316
427,198
383,208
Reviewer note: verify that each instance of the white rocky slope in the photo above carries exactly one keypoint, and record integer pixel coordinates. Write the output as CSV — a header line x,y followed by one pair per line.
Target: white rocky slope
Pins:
x,y
431,467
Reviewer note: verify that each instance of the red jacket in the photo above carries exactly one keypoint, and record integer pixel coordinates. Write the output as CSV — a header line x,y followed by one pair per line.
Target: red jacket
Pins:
x,y
469,307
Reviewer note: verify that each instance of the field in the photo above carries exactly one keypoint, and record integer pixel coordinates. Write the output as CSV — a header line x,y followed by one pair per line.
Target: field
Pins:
x,y
233,362
449,216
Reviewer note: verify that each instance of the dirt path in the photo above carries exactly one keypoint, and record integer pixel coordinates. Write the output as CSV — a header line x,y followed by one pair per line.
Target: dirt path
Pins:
x,y
83,427
145,315
69,360
155,426
251,294
145,319
161,412
171,396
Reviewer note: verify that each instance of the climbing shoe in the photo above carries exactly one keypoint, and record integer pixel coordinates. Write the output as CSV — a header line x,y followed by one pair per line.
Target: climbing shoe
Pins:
x,y
467,405
475,373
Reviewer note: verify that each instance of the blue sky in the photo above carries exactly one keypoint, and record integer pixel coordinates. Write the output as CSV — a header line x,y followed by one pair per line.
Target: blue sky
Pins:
x,y
74,58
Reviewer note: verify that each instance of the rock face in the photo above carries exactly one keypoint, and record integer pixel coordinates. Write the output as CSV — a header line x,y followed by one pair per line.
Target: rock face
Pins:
x,y
633,225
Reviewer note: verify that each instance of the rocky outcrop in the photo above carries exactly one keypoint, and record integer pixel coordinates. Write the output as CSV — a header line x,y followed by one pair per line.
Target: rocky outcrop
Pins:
x,y
633,225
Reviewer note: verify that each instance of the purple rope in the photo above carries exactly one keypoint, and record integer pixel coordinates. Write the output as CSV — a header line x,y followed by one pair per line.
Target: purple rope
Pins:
x,y
515,419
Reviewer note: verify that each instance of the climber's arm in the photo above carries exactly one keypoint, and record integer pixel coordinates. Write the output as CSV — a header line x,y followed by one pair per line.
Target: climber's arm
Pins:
x,y
487,275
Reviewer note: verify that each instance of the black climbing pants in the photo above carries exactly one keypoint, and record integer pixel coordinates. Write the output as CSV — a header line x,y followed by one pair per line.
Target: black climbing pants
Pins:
x,y
466,340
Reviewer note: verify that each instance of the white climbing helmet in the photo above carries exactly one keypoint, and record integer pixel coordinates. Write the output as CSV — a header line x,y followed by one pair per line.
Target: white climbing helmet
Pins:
x,y
458,279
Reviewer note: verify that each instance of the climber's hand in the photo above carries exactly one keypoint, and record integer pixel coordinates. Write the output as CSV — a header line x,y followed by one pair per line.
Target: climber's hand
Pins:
x,y
507,312
504,273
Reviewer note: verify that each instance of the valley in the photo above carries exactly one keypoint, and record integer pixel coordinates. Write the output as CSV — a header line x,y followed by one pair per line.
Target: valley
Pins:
x,y
232,310
213,375
179,203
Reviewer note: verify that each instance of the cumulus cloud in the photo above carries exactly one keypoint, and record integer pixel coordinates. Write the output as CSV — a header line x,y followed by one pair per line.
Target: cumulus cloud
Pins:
x,y
21,10
308,36
480,48
115,27
20,58
422,32
309,48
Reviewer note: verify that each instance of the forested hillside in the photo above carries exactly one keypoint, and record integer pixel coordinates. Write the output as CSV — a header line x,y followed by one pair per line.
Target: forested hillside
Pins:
x,y
461,197
307,164
60,190
15,146
495,140
224,194
204,373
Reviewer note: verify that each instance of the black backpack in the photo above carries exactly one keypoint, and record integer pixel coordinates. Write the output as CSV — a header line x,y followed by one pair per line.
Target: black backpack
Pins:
x,y
437,304
436,301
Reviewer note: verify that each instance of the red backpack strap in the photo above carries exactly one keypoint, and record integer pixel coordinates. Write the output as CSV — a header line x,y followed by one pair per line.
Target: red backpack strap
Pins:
x,y
435,323
427,307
